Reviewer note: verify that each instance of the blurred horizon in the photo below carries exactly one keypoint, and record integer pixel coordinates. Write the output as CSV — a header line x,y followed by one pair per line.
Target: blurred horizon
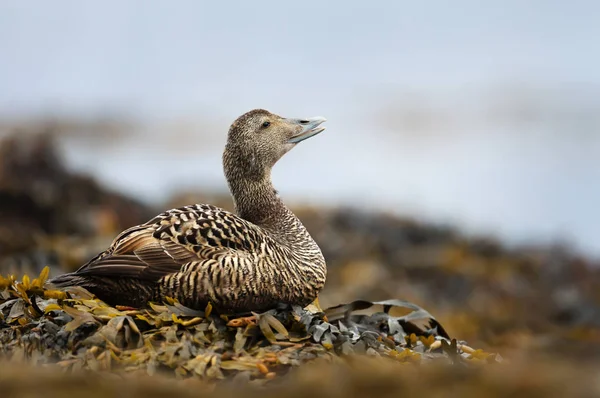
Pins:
x,y
483,116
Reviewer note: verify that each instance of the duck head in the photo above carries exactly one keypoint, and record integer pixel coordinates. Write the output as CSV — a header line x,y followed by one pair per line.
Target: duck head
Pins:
x,y
259,138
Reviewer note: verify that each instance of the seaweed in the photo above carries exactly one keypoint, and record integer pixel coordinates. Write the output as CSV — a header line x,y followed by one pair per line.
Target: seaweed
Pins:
x,y
73,330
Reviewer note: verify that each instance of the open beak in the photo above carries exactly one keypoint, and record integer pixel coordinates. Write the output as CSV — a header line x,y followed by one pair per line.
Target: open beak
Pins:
x,y
310,128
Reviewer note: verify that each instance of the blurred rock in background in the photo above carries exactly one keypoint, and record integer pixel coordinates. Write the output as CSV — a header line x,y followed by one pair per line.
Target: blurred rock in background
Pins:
x,y
49,215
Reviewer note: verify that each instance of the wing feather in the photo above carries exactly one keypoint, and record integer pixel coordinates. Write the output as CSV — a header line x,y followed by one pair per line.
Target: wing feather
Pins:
x,y
174,238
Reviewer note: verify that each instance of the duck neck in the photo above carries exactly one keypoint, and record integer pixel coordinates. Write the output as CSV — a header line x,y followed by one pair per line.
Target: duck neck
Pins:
x,y
257,201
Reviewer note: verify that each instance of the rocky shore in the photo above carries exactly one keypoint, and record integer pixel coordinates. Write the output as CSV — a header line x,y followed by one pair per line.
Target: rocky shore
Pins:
x,y
534,302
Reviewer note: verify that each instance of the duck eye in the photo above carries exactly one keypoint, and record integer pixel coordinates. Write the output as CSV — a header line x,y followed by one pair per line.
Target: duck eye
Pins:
x,y
266,124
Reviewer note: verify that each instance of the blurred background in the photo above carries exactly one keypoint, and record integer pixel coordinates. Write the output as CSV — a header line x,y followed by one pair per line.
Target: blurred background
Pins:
x,y
459,167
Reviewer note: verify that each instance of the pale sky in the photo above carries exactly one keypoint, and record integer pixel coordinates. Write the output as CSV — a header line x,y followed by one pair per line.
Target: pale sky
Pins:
x,y
478,113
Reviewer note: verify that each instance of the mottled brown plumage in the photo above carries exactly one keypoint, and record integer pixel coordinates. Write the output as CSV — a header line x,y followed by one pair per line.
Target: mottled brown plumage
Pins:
x,y
200,253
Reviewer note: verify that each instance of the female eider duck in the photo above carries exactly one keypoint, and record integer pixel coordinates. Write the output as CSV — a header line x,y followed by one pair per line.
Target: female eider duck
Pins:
x,y
200,253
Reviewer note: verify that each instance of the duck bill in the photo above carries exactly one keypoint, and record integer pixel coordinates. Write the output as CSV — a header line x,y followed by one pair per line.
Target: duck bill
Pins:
x,y
310,128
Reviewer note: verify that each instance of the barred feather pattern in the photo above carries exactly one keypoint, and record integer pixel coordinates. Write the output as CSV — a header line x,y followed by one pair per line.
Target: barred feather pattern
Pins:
x,y
243,266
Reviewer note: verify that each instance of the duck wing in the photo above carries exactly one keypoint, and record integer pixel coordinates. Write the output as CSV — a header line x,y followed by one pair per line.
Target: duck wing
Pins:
x,y
172,239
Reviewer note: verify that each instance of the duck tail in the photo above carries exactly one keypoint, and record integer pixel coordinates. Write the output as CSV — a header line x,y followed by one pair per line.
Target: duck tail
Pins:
x,y
113,291
67,280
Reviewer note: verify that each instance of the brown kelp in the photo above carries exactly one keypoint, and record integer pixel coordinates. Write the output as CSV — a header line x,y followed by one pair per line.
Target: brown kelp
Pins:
x,y
73,330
